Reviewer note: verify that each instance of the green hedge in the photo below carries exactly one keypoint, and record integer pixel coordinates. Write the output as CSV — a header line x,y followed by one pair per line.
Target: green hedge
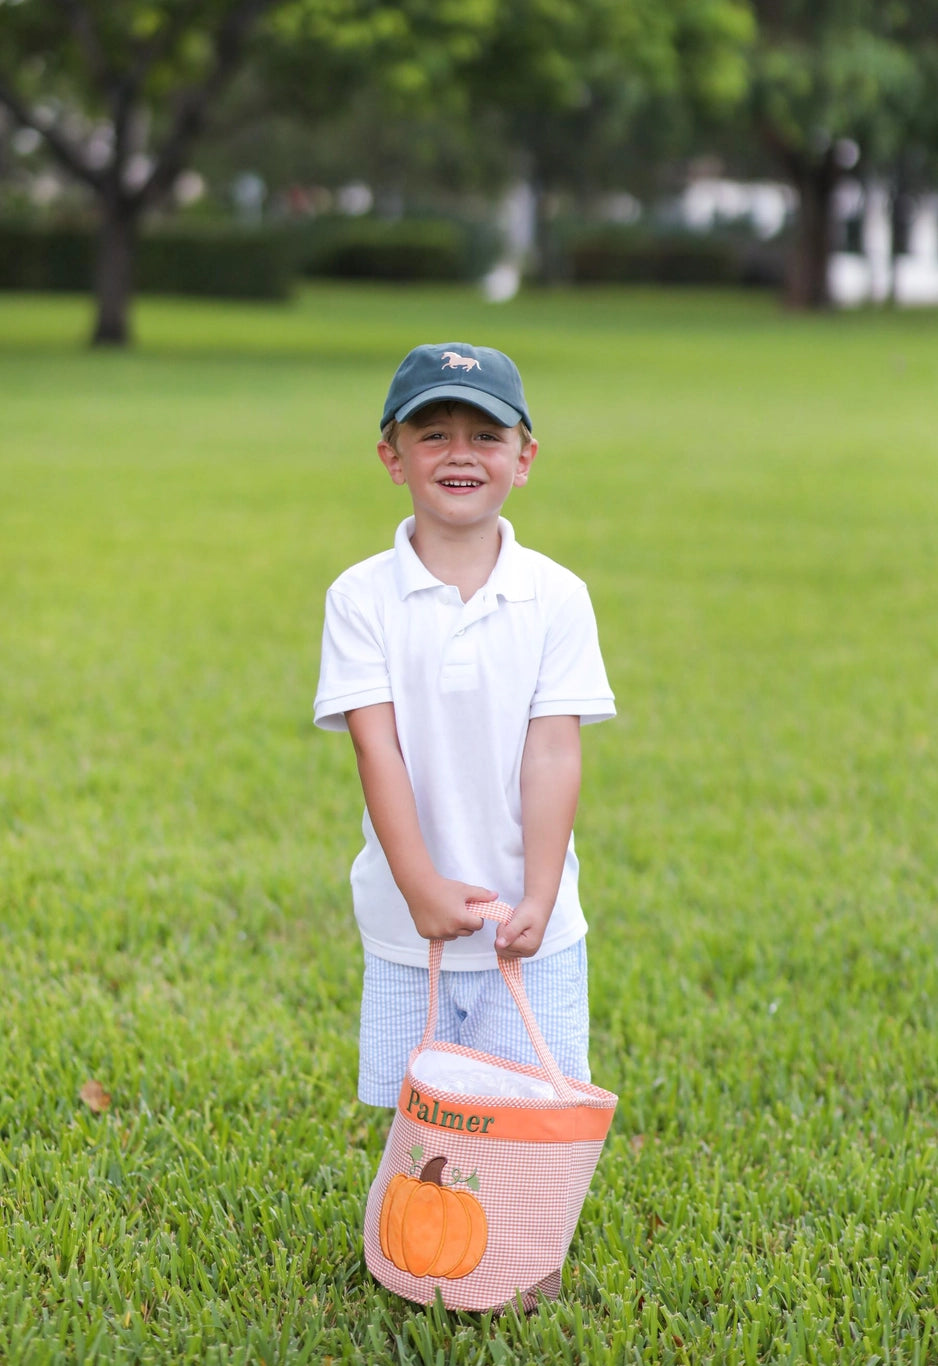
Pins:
x,y
403,249
259,263
610,254
209,261
33,258
224,262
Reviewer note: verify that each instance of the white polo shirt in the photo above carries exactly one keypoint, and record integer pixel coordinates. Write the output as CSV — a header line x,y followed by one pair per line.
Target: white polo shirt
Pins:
x,y
465,680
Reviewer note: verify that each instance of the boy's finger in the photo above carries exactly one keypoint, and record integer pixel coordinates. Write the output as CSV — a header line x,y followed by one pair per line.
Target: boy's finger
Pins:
x,y
506,936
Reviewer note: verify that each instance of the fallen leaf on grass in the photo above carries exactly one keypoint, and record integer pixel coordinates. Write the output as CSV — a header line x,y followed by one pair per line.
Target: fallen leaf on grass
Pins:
x,y
95,1096
655,1222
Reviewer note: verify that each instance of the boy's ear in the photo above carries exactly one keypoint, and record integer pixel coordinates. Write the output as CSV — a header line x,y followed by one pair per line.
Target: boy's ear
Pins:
x,y
525,460
391,462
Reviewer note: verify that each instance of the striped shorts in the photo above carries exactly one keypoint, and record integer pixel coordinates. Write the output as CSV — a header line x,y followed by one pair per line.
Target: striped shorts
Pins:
x,y
476,1010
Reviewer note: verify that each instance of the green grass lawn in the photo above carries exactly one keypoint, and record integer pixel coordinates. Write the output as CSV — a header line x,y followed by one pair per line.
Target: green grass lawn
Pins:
x,y
753,499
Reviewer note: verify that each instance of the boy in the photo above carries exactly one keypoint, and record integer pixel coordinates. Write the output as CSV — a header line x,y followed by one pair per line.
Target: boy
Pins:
x,y
462,666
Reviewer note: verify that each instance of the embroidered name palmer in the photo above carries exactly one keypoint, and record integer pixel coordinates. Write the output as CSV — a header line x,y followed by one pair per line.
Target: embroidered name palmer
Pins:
x,y
447,1119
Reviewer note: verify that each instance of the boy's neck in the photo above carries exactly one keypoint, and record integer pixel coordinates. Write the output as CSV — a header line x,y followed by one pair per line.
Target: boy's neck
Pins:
x,y
463,557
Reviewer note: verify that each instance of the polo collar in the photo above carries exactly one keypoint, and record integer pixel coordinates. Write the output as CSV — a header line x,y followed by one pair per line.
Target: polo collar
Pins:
x,y
511,578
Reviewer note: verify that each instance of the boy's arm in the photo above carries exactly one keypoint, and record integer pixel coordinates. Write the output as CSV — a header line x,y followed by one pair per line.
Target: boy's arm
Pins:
x,y
437,904
550,787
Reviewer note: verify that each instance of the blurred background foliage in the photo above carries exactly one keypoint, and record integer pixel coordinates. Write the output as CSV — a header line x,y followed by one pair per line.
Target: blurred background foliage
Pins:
x,y
360,137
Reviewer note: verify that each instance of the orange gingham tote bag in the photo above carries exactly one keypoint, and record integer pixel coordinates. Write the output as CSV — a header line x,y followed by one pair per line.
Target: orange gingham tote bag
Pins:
x,y
478,1195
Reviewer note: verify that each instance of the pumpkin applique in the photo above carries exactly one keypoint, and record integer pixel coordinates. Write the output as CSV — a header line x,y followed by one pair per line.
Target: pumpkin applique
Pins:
x,y
430,1229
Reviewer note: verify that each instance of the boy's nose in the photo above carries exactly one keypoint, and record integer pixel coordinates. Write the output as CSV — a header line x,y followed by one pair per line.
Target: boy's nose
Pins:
x,y
461,451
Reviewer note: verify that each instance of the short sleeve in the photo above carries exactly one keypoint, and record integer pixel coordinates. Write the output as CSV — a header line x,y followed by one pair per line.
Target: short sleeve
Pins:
x,y
572,678
353,671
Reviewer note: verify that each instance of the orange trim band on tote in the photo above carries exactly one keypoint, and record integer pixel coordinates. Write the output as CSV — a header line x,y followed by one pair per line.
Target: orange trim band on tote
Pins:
x,y
568,1124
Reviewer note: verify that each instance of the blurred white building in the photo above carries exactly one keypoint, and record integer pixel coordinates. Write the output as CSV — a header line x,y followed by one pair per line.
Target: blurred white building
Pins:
x,y
864,273
870,274
709,201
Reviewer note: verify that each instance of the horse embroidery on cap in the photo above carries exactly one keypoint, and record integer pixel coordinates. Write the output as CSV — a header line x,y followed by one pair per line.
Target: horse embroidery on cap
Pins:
x,y
454,361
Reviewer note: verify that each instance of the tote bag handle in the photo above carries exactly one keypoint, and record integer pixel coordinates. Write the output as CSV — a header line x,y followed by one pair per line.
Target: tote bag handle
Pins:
x,y
511,971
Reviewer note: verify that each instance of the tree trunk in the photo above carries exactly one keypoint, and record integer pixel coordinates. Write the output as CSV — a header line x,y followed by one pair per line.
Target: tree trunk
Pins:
x,y
807,279
899,223
113,278
548,266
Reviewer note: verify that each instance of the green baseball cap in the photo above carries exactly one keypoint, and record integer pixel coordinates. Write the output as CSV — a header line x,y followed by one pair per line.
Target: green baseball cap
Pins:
x,y
477,375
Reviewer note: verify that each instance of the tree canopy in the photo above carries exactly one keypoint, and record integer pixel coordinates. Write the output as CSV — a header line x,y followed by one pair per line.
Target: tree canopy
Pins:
x,y
121,93
831,80
571,93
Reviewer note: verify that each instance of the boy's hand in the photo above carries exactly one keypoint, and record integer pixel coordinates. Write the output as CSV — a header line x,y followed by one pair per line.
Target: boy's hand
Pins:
x,y
439,910
521,936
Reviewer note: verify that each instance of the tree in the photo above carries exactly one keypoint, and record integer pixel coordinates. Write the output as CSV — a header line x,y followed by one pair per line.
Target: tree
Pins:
x,y
829,77
572,78
404,115
89,76
92,75
900,140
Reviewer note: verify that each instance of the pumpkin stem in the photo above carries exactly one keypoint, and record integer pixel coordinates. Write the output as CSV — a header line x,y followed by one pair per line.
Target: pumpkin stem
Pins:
x,y
433,1171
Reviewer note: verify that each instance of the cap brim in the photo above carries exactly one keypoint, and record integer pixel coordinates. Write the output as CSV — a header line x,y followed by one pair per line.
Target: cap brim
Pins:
x,y
503,413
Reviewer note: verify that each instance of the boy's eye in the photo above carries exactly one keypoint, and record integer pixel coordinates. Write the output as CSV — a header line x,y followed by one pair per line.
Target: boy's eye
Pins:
x,y
432,435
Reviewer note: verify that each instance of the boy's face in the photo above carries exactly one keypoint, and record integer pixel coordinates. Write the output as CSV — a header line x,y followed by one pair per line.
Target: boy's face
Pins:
x,y
458,463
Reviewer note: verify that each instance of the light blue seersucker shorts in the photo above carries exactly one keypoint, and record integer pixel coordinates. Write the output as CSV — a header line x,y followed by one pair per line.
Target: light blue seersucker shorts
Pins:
x,y
477,1010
